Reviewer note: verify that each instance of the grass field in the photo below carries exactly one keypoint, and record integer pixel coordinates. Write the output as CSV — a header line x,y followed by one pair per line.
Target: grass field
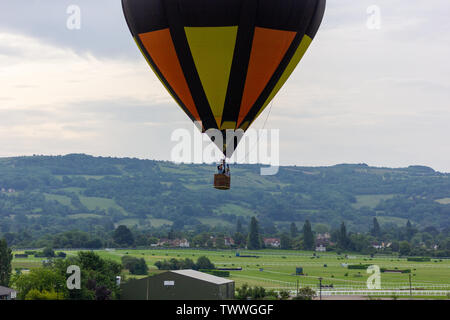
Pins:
x,y
371,201
84,216
102,203
64,200
275,269
236,209
155,222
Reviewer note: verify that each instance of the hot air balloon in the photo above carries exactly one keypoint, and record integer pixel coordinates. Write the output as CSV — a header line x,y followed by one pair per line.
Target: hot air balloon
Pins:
x,y
223,61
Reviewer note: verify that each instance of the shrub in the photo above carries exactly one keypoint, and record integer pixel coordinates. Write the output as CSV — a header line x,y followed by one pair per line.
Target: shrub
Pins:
x,y
305,294
175,264
37,280
271,295
358,266
35,294
245,292
48,253
284,295
418,259
135,265
204,263
396,269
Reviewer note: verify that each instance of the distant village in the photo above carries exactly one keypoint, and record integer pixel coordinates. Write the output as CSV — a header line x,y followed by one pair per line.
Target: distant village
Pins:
x,y
322,241
7,190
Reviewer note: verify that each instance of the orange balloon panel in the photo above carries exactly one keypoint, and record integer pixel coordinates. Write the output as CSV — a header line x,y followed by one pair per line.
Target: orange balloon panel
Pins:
x,y
269,48
160,47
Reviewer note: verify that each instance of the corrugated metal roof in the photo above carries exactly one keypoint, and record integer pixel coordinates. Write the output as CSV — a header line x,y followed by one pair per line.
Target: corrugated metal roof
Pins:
x,y
5,291
202,276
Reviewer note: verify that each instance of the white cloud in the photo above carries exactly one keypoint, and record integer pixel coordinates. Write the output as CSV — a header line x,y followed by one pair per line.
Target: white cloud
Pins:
x,y
39,75
359,95
54,100
374,96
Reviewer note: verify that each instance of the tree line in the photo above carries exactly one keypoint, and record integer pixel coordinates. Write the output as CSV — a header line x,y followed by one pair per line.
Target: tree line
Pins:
x,y
408,240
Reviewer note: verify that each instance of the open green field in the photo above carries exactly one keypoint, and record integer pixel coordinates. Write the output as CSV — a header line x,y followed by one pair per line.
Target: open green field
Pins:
x,y
236,209
275,269
64,200
102,203
371,200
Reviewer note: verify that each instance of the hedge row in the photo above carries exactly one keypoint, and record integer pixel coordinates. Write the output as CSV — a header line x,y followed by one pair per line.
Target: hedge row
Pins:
x,y
395,270
43,255
358,266
418,259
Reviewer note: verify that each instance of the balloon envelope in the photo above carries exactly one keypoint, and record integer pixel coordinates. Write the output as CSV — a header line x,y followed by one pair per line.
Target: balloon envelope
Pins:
x,y
223,61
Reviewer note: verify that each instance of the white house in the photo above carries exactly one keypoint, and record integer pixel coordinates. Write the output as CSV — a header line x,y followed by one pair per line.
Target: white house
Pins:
x,y
321,248
7,293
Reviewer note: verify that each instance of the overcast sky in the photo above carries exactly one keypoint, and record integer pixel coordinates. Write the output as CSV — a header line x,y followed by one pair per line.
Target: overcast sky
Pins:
x,y
360,95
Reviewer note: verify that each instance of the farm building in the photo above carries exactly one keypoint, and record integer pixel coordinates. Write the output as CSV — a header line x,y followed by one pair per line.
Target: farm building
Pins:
x,y
272,242
179,285
321,248
7,293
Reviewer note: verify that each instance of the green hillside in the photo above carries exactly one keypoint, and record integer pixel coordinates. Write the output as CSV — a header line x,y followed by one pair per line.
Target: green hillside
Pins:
x,y
42,194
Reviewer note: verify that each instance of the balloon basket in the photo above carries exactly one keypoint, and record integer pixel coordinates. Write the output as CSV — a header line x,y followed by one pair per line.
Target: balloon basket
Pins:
x,y
222,181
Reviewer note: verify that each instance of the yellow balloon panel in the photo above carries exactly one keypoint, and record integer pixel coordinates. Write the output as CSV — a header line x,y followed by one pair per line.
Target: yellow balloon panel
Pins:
x,y
212,49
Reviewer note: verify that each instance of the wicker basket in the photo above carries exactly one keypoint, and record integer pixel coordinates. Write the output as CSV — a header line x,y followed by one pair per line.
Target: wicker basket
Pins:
x,y
222,181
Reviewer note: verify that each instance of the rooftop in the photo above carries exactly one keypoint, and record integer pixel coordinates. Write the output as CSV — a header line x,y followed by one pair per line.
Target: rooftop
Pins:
x,y
202,276
6,291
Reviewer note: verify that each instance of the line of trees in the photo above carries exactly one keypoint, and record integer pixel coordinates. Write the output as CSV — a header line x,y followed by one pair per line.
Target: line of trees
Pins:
x,y
45,195
407,240
203,263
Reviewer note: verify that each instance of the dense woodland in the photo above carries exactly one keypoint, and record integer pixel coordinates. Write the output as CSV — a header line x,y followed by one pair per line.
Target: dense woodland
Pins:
x,y
79,200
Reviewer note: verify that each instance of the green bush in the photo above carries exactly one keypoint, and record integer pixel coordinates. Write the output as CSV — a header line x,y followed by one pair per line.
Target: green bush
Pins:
x,y
418,259
135,265
396,269
305,294
245,292
358,266
284,295
35,294
48,253
175,264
